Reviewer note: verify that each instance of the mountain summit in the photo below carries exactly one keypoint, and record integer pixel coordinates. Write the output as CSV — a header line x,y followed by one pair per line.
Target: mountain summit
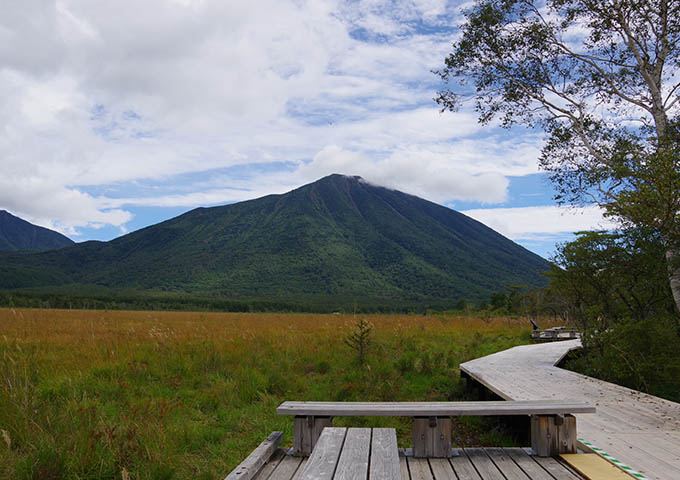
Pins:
x,y
18,234
338,237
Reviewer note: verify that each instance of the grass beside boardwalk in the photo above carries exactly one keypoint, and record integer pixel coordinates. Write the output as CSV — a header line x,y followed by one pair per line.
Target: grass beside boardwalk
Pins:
x,y
160,395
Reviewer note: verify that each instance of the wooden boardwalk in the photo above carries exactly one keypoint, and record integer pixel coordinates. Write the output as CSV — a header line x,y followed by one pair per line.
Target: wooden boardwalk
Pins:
x,y
640,430
468,464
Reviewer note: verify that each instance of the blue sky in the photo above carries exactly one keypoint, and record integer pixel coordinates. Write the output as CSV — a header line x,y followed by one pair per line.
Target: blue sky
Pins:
x,y
117,116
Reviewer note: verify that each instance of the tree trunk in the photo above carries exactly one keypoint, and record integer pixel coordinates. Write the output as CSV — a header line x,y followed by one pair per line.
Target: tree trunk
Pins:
x,y
673,264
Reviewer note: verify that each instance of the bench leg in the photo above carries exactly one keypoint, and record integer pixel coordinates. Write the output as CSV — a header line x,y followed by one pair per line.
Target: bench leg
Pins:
x,y
553,434
432,437
306,431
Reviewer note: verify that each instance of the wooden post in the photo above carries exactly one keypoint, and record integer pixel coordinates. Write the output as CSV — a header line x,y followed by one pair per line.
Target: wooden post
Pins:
x,y
306,431
432,437
553,434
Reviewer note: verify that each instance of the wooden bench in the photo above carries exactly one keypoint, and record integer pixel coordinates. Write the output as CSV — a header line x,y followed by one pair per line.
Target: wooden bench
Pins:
x,y
553,425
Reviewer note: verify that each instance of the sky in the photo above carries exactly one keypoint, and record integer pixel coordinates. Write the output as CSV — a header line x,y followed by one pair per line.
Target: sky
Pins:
x,y
118,115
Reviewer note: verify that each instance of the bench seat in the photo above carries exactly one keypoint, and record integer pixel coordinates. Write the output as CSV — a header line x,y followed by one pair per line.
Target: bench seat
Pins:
x,y
433,409
553,425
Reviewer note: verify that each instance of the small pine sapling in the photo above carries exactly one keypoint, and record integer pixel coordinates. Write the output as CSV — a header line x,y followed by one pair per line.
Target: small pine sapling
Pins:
x,y
360,339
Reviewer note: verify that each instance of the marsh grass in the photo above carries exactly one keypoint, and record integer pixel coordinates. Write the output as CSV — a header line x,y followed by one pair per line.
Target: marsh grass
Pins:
x,y
161,395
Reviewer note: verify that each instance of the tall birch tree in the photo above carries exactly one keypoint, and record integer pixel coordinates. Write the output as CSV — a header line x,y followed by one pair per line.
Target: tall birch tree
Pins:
x,y
602,79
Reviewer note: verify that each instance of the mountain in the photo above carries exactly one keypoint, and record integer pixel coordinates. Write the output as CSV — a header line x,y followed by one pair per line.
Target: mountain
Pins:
x,y
339,237
18,234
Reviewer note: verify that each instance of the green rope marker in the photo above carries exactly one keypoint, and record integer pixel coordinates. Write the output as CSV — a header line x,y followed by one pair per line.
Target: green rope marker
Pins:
x,y
613,460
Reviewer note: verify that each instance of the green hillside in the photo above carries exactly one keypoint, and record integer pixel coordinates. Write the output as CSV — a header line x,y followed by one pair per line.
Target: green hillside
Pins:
x,y
337,237
18,234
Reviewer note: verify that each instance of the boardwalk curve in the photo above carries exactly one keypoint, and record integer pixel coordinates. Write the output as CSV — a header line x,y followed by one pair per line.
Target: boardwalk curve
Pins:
x,y
642,431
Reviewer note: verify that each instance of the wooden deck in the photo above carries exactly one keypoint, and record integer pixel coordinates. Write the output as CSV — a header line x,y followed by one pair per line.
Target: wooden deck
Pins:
x,y
468,464
640,430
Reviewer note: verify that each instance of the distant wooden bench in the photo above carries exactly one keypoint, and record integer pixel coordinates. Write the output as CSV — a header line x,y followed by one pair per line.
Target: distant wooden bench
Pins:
x,y
553,425
556,333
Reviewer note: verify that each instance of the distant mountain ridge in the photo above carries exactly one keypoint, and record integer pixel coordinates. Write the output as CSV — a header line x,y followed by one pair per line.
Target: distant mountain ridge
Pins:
x,y
18,234
337,237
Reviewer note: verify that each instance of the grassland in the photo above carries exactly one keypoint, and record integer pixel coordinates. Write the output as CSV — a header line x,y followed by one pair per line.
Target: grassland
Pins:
x,y
160,395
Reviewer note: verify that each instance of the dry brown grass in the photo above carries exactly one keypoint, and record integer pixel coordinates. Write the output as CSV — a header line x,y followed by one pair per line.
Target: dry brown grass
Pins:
x,y
88,394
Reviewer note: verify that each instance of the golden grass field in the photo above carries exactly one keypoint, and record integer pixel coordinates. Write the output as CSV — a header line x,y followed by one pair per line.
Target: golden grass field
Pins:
x,y
100,394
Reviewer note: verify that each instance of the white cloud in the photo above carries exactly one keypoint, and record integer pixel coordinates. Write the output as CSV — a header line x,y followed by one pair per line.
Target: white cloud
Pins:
x,y
119,93
528,223
415,172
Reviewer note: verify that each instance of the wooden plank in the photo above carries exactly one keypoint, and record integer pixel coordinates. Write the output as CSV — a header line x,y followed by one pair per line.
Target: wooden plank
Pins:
x,y
441,469
324,459
301,468
252,464
506,464
286,469
403,467
434,409
270,465
555,468
463,467
532,469
594,467
384,455
483,464
419,469
353,463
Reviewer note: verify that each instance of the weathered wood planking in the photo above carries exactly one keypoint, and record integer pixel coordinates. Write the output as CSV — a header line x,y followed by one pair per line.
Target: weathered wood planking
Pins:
x,y
324,459
506,464
434,409
419,468
353,463
492,463
403,467
384,455
483,464
441,469
271,465
252,464
638,429
463,466
528,465
285,469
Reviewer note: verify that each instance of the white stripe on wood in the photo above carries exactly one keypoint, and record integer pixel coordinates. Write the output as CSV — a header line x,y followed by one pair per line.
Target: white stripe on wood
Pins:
x,y
252,464
324,458
384,455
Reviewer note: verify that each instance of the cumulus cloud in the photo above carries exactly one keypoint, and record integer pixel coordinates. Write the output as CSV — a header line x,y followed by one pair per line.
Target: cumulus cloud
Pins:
x,y
102,96
433,177
529,223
